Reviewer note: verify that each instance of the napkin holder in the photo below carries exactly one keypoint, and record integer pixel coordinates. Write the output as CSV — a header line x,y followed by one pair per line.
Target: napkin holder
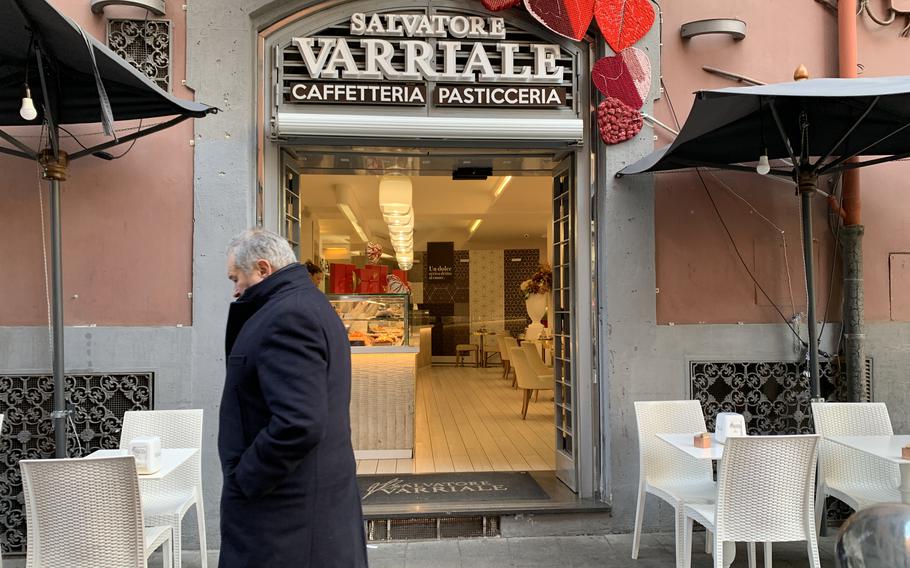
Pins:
x,y
702,440
729,424
147,452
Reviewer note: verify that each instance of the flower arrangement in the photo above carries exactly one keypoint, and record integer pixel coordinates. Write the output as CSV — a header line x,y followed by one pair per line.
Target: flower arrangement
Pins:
x,y
540,283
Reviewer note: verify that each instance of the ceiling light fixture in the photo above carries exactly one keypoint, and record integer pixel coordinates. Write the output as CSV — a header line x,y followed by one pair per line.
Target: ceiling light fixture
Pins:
x,y
352,219
501,186
474,225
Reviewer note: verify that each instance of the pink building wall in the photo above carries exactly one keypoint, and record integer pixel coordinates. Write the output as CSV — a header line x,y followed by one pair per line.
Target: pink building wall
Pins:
x,y
127,224
699,276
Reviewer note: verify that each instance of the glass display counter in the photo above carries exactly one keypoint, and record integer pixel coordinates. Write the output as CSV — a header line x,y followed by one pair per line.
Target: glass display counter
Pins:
x,y
374,320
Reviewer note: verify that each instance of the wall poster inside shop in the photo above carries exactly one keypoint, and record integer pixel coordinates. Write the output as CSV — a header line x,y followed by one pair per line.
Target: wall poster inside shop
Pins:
x,y
440,265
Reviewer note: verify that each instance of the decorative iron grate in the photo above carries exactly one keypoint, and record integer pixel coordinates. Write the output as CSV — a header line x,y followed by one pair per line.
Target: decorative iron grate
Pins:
x,y
98,402
773,397
146,45
432,528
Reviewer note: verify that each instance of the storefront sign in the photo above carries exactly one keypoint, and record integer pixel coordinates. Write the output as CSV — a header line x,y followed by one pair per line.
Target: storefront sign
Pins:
x,y
440,262
467,57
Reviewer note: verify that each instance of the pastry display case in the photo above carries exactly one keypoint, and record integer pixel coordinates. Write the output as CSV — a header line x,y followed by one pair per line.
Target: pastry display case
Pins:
x,y
374,320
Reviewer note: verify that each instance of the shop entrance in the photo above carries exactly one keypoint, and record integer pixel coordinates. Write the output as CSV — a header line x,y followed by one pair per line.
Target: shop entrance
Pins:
x,y
484,221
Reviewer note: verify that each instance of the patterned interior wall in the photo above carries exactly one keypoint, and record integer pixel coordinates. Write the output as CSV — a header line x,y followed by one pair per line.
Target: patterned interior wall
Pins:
x,y
99,402
449,331
486,278
518,266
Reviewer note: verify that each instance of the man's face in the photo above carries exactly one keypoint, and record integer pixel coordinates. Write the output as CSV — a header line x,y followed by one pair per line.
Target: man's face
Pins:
x,y
243,280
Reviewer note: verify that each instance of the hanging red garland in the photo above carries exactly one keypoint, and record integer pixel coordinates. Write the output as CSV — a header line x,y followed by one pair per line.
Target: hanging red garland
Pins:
x,y
617,121
623,22
498,5
568,18
625,76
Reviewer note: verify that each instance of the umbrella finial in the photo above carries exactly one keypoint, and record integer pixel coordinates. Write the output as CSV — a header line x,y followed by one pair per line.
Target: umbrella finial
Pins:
x,y
800,73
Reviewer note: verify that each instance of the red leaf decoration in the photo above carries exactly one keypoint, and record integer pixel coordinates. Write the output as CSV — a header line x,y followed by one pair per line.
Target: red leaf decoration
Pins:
x,y
617,121
626,76
568,18
497,5
623,22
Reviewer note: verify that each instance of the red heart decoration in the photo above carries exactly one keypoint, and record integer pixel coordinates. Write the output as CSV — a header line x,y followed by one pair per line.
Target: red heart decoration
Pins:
x,y
626,76
617,121
623,22
497,5
568,18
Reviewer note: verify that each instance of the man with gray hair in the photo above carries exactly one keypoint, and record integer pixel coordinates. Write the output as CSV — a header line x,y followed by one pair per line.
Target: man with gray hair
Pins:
x,y
290,495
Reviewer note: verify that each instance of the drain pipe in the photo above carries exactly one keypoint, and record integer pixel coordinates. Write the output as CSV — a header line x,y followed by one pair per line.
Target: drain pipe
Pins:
x,y
852,230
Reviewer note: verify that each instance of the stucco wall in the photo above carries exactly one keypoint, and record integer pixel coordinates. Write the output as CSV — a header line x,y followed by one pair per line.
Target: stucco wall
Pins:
x,y
127,224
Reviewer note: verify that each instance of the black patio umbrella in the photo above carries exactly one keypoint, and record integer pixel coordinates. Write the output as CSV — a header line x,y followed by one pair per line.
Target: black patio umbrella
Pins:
x,y
812,127
48,61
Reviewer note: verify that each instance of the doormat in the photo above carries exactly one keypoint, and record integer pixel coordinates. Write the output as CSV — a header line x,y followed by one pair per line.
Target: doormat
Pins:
x,y
449,487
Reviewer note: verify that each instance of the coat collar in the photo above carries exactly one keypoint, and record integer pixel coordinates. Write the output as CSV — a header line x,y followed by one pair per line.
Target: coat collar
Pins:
x,y
290,277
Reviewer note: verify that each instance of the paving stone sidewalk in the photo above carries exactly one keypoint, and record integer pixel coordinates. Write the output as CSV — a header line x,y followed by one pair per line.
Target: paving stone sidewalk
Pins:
x,y
610,551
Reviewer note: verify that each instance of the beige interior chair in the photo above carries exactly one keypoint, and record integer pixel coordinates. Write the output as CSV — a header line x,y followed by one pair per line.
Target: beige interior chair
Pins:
x,y
464,349
510,343
86,513
503,355
167,501
527,378
533,356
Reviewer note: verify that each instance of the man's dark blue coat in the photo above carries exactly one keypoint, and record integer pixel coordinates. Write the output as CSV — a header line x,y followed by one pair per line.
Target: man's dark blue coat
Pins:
x,y
290,496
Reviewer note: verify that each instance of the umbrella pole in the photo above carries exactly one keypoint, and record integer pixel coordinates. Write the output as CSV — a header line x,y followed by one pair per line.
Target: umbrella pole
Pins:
x,y
55,172
808,185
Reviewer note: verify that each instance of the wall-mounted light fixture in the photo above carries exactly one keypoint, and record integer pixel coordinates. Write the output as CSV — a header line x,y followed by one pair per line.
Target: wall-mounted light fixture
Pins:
x,y
729,26
154,6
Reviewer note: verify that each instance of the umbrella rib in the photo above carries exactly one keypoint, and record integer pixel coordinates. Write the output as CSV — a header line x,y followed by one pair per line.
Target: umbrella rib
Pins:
x,y
895,157
843,159
48,111
783,133
729,167
26,151
129,138
846,134
16,153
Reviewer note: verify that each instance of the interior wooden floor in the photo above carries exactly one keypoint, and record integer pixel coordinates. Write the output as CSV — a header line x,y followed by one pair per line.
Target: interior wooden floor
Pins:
x,y
469,419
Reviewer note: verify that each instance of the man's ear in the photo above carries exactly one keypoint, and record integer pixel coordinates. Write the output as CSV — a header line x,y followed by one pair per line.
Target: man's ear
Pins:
x,y
263,267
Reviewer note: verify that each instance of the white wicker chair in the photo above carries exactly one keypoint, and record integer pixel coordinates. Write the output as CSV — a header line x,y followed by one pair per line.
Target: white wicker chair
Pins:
x,y
666,472
166,501
857,479
87,514
764,494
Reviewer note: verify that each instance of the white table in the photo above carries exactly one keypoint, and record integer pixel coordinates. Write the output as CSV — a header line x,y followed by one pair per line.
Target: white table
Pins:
x,y
887,448
171,459
686,443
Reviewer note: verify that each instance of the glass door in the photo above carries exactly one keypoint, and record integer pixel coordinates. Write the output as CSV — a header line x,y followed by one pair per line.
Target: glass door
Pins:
x,y
563,302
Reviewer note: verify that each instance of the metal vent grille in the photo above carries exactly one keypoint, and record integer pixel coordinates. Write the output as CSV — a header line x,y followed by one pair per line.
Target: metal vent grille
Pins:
x,y
146,45
98,402
432,528
294,69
